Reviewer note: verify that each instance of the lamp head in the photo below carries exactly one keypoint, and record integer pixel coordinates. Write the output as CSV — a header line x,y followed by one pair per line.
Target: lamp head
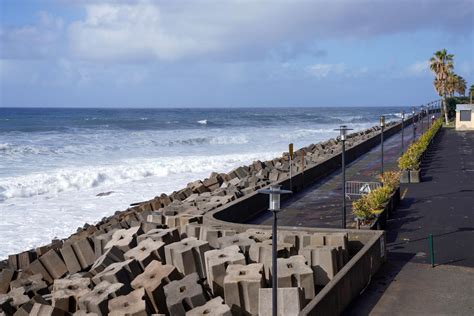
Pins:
x,y
343,129
382,121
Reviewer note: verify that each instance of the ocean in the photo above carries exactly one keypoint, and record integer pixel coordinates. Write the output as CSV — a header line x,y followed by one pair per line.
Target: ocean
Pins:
x,y
61,168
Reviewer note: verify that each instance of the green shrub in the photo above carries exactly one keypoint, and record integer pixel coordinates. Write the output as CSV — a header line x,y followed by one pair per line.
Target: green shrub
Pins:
x,y
410,160
451,105
372,204
391,179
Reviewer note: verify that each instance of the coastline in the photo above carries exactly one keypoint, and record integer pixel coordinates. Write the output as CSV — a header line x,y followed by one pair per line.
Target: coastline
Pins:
x,y
202,196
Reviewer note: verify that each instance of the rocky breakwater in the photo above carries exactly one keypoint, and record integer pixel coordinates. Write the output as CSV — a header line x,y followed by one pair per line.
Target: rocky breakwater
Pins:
x,y
158,257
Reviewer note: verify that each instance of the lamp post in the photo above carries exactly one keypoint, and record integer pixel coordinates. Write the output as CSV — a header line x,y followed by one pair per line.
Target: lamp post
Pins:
x,y
414,124
343,132
421,119
403,130
382,125
274,191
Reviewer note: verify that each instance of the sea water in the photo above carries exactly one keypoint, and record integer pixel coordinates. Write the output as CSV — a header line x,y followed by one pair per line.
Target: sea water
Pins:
x,y
61,168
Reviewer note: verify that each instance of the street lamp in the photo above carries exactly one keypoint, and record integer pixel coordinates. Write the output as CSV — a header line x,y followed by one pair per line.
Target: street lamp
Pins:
x,y
421,118
414,125
382,125
343,132
274,191
403,129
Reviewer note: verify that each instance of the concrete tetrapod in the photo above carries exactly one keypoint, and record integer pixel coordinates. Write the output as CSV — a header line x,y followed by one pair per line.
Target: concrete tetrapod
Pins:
x,y
293,272
67,292
147,251
241,286
124,239
132,304
262,253
97,300
184,295
166,235
323,261
216,264
214,307
111,255
242,240
187,256
153,280
119,272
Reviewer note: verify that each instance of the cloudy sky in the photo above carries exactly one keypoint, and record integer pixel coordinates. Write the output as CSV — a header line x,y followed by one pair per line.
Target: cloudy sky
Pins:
x,y
228,53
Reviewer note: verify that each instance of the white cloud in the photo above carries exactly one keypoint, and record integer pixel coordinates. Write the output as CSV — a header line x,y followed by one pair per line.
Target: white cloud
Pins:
x,y
418,68
243,30
321,71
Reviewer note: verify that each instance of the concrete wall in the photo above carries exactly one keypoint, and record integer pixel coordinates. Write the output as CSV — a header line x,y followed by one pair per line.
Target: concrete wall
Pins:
x,y
464,125
350,281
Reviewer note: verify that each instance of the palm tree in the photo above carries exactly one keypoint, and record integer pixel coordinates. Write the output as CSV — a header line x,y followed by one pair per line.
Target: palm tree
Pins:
x,y
471,92
461,86
441,64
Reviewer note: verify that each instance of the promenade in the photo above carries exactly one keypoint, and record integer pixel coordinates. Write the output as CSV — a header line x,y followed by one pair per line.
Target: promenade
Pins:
x,y
320,204
442,205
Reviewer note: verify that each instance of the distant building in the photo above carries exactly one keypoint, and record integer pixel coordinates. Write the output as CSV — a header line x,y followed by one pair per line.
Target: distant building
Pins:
x,y
464,117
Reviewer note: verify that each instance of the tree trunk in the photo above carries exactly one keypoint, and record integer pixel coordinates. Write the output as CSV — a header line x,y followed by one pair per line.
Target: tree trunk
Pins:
x,y
445,110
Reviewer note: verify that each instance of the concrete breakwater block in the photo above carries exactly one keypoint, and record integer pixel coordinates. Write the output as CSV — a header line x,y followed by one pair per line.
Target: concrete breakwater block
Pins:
x,y
212,233
100,241
66,293
317,239
323,260
78,255
53,264
32,284
119,272
6,275
111,255
184,295
166,235
216,265
96,301
242,240
258,235
192,230
339,240
46,310
262,253
131,304
26,308
187,256
11,301
147,251
153,280
124,239
290,301
37,267
241,288
293,272
214,307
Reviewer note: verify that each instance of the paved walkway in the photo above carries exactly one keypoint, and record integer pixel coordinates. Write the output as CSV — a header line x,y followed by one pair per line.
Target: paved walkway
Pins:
x,y
320,205
442,205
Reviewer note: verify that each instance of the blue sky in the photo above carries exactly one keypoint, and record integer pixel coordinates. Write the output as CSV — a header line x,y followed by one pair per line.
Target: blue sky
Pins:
x,y
228,53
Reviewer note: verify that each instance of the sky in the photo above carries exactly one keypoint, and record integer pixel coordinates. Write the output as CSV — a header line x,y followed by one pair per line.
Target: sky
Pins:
x,y
235,53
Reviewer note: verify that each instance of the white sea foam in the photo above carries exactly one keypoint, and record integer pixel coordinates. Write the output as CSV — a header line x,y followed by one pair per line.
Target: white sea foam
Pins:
x,y
56,181
203,122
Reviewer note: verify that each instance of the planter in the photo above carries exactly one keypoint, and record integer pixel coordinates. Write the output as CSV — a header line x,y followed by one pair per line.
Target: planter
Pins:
x,y
380,221
405,176
415,176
